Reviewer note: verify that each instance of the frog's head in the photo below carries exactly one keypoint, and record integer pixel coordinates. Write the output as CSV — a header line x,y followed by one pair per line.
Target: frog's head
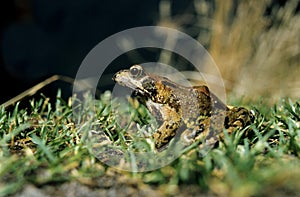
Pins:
x,y
137,79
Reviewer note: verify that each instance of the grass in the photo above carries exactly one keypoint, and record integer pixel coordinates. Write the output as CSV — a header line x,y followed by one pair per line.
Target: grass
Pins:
x,y
41,145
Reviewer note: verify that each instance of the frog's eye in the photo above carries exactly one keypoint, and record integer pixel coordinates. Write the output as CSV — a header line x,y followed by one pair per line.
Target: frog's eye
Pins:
x,y
135,71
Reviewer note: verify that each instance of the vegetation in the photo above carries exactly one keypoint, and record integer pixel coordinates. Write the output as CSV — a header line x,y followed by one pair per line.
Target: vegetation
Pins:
x,y
41,145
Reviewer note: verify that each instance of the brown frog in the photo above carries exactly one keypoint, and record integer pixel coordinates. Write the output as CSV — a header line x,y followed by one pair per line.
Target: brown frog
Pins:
x,y
194,113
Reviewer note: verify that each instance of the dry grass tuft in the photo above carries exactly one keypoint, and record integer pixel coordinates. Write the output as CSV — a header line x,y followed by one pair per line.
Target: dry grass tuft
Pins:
x,y
258,53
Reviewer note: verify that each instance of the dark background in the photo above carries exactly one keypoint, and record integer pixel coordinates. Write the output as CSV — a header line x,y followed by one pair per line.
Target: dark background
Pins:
x,y
40,38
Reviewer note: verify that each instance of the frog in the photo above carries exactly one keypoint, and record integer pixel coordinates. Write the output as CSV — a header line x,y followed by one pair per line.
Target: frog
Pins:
x,y
193,113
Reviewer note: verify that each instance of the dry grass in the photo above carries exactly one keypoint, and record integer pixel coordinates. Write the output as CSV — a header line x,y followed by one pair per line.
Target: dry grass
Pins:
x,y
257,54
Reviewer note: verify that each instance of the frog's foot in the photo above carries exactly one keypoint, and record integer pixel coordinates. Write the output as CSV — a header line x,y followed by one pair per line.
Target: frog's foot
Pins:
x,y
237,118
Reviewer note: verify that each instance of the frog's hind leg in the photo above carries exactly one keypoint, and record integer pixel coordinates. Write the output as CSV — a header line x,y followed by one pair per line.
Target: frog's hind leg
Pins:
x,y
195,133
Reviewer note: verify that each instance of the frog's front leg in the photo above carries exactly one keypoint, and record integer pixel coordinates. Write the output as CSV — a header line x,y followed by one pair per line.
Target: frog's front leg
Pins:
x,y
164,134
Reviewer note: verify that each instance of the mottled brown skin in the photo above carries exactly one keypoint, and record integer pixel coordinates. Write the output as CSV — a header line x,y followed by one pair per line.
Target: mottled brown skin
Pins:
x,y
193,112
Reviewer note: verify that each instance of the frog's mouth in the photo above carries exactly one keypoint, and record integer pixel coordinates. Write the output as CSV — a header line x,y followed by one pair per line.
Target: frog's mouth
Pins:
x,y
123,79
